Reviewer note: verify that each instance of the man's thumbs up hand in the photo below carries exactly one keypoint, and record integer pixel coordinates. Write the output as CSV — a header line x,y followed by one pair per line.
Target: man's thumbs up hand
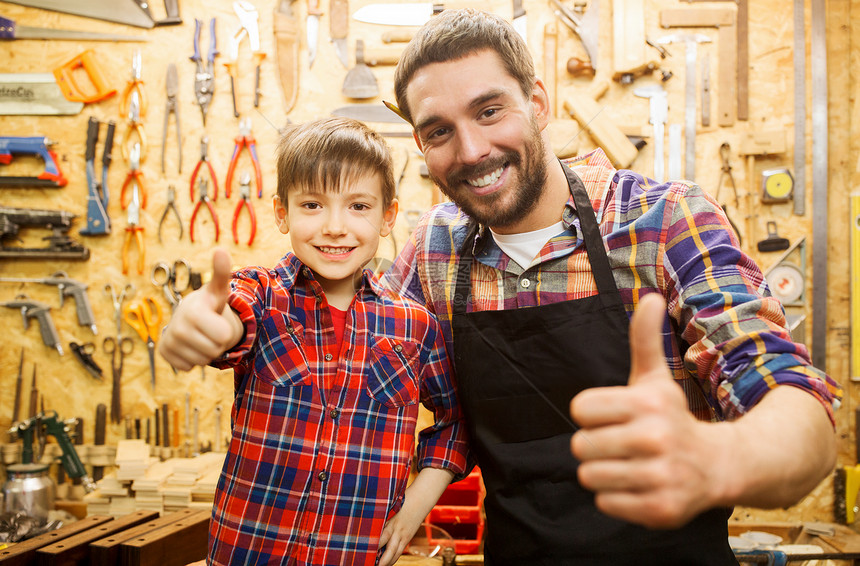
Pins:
x,y
638,444
203,327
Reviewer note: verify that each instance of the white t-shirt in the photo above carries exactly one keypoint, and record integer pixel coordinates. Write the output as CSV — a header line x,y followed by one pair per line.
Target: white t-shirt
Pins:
x,y
524,247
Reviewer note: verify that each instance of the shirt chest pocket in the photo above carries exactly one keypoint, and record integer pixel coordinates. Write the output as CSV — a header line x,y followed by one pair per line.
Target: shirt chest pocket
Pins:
x,y
394,369
283,362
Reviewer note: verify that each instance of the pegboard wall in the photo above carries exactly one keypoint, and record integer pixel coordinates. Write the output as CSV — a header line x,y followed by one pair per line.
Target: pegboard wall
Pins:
x,y
64,384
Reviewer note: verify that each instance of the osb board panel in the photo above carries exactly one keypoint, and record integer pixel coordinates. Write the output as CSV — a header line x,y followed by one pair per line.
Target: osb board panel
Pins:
x,y
67,388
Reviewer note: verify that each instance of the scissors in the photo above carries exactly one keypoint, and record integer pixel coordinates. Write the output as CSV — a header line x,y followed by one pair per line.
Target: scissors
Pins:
x,y
169,277
117,354
127,292
145,317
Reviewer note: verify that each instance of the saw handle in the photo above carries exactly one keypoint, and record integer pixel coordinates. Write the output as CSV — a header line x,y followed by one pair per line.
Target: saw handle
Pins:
x,y
65,75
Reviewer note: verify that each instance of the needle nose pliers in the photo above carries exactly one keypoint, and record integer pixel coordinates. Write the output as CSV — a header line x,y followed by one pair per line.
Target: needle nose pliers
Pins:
x,y
204,198
245,139
204,158
244,202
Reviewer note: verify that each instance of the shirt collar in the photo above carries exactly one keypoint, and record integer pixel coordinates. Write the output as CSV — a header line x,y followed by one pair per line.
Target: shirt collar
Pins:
x,y
292,271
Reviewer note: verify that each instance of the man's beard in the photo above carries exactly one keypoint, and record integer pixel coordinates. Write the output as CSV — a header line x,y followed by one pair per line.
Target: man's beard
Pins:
x,y
488,210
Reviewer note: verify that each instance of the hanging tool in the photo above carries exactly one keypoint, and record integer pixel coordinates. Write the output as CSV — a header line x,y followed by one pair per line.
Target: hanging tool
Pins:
x,y
145,317
586,28
773,242
854,227
133,179
171,8
84,354
67,76
519,19
244,201
800,114
248,26
286,28
820,173
204,158
245,140
118,347
134,231
117,352
119,11
10,30
204,78
203,187
168,277
690,41
757,143
170,207
61,246
628,36
726,171
339,29
34,395
706,91
312,30
658,113
31,309
34,94
37,146
171,84
16,406
67,287
136,126
135,84
98,221
777,185
360,82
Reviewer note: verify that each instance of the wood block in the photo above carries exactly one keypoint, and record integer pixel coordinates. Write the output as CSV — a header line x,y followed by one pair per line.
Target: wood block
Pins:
x,y
628,34
176,544
763,143
75,550
106,551
603,131
24,553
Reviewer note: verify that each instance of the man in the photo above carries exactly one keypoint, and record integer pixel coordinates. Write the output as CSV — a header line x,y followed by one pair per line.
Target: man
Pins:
x,y
534,274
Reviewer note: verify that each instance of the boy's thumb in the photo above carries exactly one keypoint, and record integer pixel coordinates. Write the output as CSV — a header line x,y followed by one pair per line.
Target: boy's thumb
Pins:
x,y
647,357
219,285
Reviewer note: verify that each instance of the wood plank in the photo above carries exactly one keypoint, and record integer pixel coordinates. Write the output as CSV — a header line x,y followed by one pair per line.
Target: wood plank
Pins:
x,y
628,35
75,550
176,544
24,553
602,129
106,551
697,17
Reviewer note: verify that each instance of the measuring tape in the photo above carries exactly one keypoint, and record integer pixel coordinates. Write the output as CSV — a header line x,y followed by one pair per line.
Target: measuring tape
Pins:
x,y
777,185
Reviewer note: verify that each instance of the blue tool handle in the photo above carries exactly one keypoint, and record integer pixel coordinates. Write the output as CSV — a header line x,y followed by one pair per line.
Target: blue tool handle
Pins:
x,y
196,56
212,50
7,28
38,145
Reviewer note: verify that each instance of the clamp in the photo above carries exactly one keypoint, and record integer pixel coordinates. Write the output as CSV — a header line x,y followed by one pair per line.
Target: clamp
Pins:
x,y
248,18
204,158
204,198
244,201
135,176
245,139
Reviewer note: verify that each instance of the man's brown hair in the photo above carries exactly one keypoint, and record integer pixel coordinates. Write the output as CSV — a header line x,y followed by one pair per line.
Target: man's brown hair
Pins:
x,y
329,153
454,34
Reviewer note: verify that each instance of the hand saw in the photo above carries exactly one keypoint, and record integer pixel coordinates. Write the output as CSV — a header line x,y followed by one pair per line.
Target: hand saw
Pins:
x,y
119,11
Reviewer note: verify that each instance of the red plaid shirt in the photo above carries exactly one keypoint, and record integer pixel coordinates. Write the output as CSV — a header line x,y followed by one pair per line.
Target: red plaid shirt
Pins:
x,y
323,440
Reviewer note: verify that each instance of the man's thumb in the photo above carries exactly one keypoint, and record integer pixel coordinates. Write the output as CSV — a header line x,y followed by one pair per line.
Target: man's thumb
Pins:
x,y
219,285
647,356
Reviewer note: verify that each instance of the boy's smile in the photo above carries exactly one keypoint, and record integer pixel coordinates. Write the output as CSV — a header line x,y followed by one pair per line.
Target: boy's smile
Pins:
x,y
335,232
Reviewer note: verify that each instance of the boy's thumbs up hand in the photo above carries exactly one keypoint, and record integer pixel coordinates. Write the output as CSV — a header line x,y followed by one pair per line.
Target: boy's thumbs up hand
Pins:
x,y
639,447
203,327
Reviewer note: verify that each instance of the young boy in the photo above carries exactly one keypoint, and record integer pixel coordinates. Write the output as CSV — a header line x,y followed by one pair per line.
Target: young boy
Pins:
x,y
328,369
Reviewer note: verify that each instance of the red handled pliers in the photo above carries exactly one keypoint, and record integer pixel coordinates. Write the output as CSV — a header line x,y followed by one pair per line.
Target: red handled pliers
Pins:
x,y
245,139
244,201
204,198
134,231
204,158
135,178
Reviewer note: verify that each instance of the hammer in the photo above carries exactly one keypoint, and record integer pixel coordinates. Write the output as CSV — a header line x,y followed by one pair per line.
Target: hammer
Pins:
x,y
690,39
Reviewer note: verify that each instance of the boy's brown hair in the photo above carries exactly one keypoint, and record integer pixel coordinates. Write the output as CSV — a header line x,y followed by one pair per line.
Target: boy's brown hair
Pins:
x,y
454,34
329,153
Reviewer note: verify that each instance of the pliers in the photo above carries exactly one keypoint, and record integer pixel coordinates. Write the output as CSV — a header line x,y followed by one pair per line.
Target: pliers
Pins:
x,y
172,87
726,170
204,79
244,201
135,84
248,18
135,177
134,125
245,139
133,231
204,158
204,198
171,206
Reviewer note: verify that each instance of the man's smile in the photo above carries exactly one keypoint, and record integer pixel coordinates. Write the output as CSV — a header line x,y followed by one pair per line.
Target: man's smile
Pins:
x,y
487,179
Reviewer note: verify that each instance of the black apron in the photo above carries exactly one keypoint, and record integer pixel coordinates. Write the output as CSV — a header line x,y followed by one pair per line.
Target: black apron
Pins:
x,y
517,371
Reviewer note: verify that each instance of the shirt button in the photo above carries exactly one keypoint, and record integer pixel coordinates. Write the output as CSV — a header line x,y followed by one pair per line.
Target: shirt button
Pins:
x,y
525,283
291,330
322,476
398,348
328,357
306,272
334,413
